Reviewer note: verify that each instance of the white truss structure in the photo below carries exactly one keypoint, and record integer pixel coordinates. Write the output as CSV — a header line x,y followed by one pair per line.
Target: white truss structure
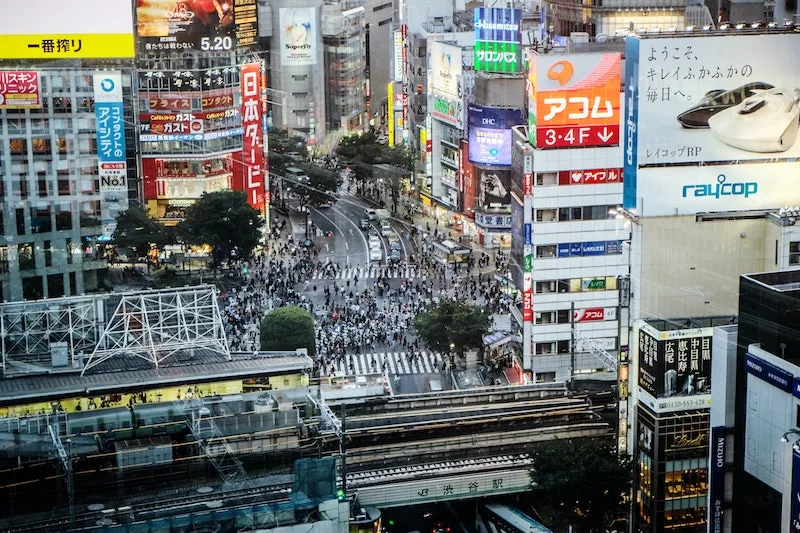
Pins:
x,y
155,324
27,329
588,345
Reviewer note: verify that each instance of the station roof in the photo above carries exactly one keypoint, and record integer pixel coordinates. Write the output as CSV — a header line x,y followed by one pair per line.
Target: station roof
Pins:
x,y
132,373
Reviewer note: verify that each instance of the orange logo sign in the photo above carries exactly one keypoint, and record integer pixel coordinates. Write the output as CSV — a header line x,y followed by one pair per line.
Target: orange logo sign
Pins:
x,y
561,71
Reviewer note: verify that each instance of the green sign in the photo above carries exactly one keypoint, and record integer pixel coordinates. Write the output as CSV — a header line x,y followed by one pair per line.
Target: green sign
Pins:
x,y
497,57
528,265
598,284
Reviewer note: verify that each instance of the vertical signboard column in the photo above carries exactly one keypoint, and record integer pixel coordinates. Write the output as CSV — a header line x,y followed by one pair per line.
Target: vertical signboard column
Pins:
x,y
527,265
252,149
111,152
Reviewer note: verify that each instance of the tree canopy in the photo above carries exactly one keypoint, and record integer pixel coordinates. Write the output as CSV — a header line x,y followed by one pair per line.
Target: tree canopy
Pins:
x,y
288,328
366,149
453,323
137,230
322,185
225,221
584,482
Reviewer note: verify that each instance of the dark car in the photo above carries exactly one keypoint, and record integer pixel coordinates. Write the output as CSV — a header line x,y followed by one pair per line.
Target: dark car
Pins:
x,y
365,225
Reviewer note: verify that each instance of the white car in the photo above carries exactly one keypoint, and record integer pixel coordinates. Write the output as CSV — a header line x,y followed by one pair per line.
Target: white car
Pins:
x,y
375,254
374,241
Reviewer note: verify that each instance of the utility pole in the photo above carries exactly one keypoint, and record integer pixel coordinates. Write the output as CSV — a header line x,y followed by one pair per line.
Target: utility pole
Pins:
x,y
572,346
343,450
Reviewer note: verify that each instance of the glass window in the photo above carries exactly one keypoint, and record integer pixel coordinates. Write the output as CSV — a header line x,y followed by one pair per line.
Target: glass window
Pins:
x,y
546,251
27,259
794,253
546,215
563,316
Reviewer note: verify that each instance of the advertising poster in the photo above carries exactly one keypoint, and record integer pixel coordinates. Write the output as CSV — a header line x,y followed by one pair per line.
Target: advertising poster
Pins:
x,y
490,146
574,101
530,93
675,363
468,179
445,69
390,115
67,29
449,111
185,25
497,39
20,89
494,188
711,101
246,17
183,125
298,39
253,139
111,152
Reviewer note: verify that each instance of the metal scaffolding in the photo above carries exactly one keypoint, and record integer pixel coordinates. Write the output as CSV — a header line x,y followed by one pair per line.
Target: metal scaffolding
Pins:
x,y
155,324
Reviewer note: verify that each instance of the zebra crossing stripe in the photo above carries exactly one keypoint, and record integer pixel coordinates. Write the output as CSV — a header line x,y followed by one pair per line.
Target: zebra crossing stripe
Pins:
x,y
395,362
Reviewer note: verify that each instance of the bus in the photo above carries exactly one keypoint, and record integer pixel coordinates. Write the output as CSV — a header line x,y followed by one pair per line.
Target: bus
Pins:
x,y
506,519
383,222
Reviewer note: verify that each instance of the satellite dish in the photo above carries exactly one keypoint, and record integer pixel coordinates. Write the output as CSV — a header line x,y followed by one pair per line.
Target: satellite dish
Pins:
x,y
601,38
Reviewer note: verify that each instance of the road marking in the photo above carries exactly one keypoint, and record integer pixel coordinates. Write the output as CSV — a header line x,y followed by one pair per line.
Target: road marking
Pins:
x,y
327,248
331,221
361,233
351,232
347,246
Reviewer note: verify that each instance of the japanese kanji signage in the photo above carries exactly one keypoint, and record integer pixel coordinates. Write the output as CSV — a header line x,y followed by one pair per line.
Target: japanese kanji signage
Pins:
x,y
253,148
67,29
674,363
19,89
711,101
110,132
574,100
497,39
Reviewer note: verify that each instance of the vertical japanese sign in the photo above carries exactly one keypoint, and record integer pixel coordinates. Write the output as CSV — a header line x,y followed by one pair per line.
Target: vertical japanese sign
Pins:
x,y
20,89
390,113
398,56
253,148
110,132
404,92
497,39
576,100
716,487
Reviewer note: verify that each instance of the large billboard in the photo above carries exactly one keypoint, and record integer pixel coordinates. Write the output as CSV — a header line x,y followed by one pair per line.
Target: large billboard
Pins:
x,y
445,70
66,29
708,101
490,134
574,101
20,89
675,364
494,188
109,117
298,39
253,144
195,25
497,39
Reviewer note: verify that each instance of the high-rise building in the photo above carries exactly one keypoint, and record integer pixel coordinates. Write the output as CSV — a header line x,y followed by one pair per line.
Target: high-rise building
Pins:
x,y
66,126
380,48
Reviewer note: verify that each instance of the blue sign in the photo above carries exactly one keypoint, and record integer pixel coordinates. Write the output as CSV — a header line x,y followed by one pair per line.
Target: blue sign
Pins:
x,y
796,388
500,118
563,250
794,519
498,25
575,249
631,122
768,372
110,132
594,248
491,221
716,489
528,234
490,146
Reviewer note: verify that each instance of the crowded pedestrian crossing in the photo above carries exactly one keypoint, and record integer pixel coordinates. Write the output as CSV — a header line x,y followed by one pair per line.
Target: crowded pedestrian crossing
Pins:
x,y
391,362
370,272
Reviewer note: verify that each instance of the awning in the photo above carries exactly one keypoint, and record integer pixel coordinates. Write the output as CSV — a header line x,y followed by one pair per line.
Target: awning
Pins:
x,y
500,338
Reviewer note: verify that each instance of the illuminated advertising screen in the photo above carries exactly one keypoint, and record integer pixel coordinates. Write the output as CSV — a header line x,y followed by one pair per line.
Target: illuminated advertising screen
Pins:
x,y
298,39
494,186
20,89
711,101
445,69
574,101
195,25
490,134
674,364
67,29
497,39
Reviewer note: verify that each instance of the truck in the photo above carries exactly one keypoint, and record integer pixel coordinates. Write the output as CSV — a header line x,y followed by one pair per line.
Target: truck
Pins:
x,y
383,222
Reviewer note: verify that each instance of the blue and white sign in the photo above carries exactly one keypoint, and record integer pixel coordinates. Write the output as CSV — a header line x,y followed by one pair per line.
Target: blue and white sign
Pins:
x,y
631,116
493,222
768,372
589,249
498,25
716,487
110,126
528,234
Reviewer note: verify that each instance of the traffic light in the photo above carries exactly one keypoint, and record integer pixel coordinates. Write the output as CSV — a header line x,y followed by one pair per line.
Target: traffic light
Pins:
x,y
340,495
244,270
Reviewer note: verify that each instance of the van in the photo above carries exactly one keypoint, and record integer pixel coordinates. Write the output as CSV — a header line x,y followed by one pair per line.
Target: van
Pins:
x,y
296,174
370,214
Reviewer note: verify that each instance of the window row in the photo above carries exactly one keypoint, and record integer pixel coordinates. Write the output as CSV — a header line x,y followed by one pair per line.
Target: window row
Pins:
x,y
60,145
602,283
28,259
565,214
45,217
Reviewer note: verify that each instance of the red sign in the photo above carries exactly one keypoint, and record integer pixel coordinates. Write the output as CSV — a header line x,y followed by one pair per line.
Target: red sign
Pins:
x,y
590,177
527,184
176,125
253,140
577,100
593,314
527,306
170,102
19,89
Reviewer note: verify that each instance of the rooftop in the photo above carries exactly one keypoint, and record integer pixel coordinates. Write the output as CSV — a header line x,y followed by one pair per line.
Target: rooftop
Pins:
x,y
786,281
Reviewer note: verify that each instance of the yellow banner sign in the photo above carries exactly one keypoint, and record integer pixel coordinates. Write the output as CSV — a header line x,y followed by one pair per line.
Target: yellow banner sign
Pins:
x,y
67,46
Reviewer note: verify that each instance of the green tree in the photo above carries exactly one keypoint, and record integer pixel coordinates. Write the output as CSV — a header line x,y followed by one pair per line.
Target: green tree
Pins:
x,y
322,185
288,328
225,221
139,231
453,323
583,481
